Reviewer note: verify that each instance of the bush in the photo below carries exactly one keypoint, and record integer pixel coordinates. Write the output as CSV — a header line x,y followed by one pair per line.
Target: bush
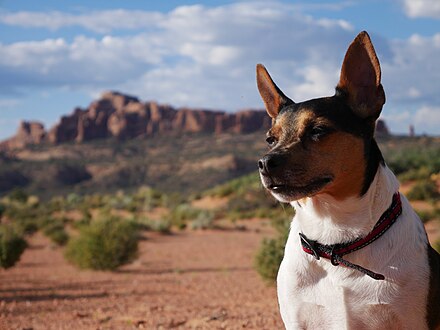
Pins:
x,y
271,252
269,257
55,231
104,245
162,226
424,190
181,214
437,246
422,173
11,247
204,220
18,195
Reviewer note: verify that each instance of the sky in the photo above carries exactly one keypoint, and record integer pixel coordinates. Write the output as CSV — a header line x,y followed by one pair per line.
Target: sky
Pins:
x,y
57,55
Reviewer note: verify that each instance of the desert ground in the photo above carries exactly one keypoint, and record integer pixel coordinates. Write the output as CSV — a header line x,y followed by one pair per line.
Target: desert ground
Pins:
x,y
187,280
190,279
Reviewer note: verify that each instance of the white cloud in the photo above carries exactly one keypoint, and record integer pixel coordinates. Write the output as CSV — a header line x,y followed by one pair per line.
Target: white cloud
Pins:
x,y
193,55
98,21
412,72
427,119
205,57
318,80
8,104
422,8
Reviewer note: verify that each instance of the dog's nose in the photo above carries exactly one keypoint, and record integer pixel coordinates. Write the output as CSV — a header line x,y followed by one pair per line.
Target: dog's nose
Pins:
x,y
270,162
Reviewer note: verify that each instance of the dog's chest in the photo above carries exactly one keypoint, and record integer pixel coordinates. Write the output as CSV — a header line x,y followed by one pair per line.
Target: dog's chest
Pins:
x,y
344,307
314,294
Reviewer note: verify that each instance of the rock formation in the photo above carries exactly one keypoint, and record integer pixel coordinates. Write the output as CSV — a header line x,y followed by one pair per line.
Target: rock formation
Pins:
x,y
125,117
381,129
28,132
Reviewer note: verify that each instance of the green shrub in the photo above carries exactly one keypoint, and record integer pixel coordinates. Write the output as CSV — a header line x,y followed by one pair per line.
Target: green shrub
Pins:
x,y
426,216
204,220
104,245
18,195
161,226
12,246
411,158
24,219
56,232
181,214
424,190
422,173
437,246
271,252
269,257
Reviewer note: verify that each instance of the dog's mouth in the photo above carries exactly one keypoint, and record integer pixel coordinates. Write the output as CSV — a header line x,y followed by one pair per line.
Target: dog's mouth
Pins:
x,y
289,193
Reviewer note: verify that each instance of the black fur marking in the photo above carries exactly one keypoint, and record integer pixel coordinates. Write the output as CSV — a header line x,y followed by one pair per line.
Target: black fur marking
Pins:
x,y
433,309
373,157
336,110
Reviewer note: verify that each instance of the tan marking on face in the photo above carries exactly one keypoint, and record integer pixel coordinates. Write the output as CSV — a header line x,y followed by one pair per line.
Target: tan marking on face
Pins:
x,y
342,154
303,120
276,131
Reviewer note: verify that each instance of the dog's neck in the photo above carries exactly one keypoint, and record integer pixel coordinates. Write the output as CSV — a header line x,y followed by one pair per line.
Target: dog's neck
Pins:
x,y
329,221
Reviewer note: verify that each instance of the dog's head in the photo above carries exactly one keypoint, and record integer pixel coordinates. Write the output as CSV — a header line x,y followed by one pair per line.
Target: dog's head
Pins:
x,y
325,145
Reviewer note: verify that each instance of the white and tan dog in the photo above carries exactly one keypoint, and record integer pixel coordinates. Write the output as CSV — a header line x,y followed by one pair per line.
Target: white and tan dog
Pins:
x,y
357,256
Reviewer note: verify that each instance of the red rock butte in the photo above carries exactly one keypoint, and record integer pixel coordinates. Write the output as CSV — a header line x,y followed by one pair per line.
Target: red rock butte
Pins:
x,y
125,117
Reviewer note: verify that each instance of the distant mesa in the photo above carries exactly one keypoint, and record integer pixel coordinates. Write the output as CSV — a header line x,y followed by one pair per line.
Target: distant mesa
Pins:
x,y
116,115
381,129
121,116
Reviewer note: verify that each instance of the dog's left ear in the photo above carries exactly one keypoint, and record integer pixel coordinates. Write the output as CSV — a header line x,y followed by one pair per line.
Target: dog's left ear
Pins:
x,y
360,78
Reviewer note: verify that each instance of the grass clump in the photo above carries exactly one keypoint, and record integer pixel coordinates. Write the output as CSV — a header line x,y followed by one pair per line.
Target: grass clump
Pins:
x,y
424,190
104,245
271,251
204,220
162,226
56,233
12,246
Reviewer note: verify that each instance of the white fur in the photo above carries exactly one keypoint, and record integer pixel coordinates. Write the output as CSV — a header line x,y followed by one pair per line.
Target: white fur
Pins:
x,y
314,294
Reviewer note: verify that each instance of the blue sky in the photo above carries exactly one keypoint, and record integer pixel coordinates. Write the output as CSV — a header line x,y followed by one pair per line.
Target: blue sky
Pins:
x,y
56,55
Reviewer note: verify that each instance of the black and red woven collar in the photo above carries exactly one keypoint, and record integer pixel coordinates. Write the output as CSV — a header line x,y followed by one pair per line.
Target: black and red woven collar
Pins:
x,y
335,252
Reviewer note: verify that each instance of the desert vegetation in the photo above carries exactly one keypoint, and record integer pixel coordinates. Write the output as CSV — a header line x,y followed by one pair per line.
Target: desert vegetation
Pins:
x,y
139,229
81,221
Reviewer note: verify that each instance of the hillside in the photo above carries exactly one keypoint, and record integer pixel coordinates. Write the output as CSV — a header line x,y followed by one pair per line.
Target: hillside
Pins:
x,y
119,142
188,163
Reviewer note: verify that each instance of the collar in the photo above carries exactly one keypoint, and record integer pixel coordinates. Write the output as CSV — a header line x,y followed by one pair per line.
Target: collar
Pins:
x,y
335,252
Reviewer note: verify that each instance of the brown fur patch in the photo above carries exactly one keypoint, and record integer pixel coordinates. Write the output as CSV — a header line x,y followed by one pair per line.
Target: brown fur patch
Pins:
x,y
342,155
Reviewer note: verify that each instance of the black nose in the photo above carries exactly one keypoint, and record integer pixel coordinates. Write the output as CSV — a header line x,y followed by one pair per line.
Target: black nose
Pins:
x,y
270,162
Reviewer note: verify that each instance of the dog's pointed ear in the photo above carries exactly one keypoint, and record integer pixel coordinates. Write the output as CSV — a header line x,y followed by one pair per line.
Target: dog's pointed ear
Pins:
x,y
273,98
360,78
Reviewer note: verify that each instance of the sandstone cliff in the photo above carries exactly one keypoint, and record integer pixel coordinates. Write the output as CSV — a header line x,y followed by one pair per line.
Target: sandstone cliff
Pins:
x,y
125,117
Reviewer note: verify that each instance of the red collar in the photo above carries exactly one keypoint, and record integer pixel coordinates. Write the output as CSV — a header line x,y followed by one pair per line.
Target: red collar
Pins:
x,y
335,252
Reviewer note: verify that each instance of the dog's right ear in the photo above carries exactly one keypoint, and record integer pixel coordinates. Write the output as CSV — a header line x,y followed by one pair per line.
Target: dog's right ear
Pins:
x,y
273,98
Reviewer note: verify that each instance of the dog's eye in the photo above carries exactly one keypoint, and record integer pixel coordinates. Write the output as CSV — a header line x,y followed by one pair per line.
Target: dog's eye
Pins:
x,y
271,141
318,132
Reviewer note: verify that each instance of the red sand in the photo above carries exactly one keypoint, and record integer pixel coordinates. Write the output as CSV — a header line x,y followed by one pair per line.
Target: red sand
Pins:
x,y
189,280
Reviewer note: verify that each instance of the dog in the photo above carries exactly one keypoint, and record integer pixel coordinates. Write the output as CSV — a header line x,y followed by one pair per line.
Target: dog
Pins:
x,y
357,255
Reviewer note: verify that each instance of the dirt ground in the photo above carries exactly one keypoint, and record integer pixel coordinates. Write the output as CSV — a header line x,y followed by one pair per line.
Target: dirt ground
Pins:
x,y
188,280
